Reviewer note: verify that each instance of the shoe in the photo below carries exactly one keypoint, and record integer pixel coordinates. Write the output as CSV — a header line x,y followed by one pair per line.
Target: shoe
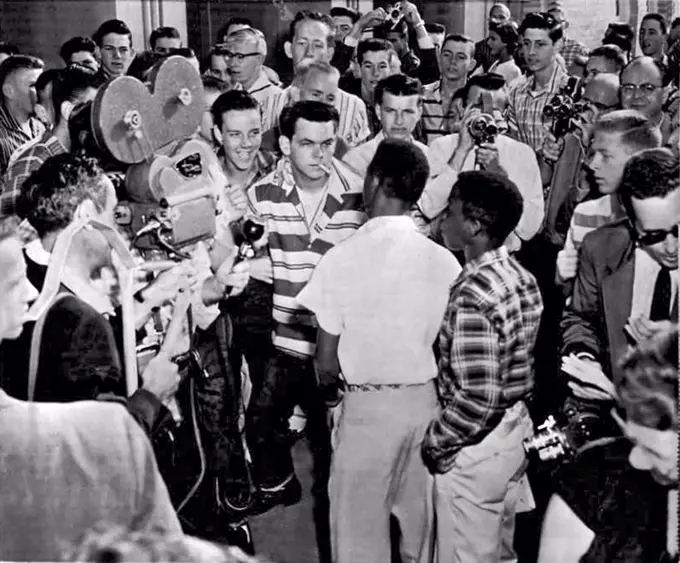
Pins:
x,y
265,499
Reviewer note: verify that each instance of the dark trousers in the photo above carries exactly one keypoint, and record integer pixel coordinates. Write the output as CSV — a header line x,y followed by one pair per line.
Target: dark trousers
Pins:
x,y
289,381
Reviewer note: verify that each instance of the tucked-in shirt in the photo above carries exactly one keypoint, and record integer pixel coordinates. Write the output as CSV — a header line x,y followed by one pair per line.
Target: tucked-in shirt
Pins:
x,y
486,346
360,157
590,215
436,119
525,107
295,247
518,160
644,280
572,49
266,95
12,135
384,292
17,173
353,127
67,467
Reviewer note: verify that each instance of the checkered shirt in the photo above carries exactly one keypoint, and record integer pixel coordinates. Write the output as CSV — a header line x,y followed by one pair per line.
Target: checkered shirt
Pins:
x,y
572,49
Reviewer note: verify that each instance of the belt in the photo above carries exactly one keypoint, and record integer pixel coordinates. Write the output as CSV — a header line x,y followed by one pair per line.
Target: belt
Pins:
x,y
372,387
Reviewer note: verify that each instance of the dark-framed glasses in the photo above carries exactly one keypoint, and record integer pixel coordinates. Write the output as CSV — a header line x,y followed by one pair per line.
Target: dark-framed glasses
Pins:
x,y
648,238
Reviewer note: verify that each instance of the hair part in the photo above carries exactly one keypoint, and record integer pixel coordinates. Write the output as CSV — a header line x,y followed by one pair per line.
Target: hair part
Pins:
x,y
250,33
233,100
458,38
490,199
544,21
636,131
308,15
17,63
398,85
663,24
310,110
371,45
117,27
401,170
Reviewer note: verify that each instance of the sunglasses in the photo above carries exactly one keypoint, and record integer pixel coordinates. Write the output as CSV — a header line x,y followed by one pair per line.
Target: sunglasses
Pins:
x,y
649,238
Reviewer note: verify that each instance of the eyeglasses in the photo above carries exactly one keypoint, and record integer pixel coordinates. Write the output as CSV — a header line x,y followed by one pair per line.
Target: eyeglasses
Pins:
x,y
649,238
240,57
630,89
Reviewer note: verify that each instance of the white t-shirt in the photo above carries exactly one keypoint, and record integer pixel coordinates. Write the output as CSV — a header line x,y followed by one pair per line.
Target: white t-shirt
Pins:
x,y
384,291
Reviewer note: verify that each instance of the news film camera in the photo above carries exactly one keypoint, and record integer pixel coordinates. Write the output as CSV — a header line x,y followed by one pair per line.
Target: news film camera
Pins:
x,y
565,107
488,125
395,13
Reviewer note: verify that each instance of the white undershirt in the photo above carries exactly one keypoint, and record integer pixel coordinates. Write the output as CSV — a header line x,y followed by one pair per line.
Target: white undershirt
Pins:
x,y
646,271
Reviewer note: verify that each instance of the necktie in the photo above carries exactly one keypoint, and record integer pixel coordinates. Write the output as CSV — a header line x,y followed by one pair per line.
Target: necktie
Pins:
x,y
661,301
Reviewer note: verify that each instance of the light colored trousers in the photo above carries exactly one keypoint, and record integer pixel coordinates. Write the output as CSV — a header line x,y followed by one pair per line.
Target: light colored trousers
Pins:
x,y
377,472
477,500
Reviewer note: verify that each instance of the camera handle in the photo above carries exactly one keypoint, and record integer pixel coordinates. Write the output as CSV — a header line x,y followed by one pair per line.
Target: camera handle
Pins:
x,y
252,232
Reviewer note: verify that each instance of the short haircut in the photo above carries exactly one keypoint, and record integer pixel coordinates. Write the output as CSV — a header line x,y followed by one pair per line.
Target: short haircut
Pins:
x,y
310,110
234,20
233,100
7,48
71,83
397,85
641,60
435,28
250,33
306,15
370,45
458,38
76,45
15,63
401,169
142,64
637,132
46,78
648,390
663,24
508,32
612,54
544,21
341,11
163,33
111,26
52,193
650,173
620,34
321,67
491,199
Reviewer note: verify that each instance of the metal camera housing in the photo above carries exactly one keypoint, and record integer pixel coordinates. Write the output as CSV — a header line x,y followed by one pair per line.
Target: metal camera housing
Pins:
x,y
483,129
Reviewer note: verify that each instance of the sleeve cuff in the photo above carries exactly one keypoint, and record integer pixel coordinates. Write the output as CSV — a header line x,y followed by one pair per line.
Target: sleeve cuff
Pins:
x,y
350,42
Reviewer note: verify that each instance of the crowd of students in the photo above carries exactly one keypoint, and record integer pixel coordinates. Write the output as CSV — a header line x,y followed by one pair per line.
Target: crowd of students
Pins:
x,y
437,252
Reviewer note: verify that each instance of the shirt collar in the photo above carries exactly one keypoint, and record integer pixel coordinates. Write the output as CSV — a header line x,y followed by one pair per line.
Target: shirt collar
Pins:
x,y
488,257
36,252
394,222
7,120
283,177
261,82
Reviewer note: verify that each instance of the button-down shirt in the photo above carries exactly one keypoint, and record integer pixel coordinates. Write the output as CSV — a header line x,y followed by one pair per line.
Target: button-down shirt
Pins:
x,y
437,120
644,281
384,292
266,95
525,107
19,170
486,352
295,247
360,157
12,135
353,127
571,49
519,162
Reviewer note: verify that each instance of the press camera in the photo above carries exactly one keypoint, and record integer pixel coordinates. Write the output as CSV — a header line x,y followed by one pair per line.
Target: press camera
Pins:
x,y
565,107
484,129
395,13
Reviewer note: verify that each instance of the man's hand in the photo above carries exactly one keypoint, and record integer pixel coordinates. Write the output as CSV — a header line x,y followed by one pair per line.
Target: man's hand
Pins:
x,y
261,269
552,148
567,264
374,18
465,141
587,380
642,329
411,14
235,277
487,159
169,283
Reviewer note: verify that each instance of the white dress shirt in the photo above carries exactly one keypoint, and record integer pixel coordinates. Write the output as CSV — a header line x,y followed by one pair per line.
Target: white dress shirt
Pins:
x,y
360,157
384,291
646,271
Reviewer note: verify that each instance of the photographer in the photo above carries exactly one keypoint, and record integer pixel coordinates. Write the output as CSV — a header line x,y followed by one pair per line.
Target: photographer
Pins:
x,y
618,501
455,153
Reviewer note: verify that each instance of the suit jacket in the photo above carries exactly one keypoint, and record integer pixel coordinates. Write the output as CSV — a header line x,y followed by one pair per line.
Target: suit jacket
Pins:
x,y
594,321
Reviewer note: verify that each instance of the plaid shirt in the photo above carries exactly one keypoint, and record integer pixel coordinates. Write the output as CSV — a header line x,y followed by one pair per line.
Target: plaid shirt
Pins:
x,y
23,167
572,49
12,135
525,107
486,348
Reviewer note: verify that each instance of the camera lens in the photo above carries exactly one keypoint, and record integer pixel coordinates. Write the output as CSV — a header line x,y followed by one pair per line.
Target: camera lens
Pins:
x,y
395,14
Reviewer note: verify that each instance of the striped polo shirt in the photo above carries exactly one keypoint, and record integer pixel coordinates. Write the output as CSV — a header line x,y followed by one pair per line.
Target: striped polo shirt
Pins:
x,y
353,128
266,95
525,107
295,248
12,135
437,120
590,215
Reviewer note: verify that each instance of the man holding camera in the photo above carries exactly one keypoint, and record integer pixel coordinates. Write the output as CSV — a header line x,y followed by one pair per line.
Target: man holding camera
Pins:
x,y
498,153
399,102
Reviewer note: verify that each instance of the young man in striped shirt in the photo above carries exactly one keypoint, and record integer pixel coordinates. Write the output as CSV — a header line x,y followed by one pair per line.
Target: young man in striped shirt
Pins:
x,y
313,38
616,137
310,203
